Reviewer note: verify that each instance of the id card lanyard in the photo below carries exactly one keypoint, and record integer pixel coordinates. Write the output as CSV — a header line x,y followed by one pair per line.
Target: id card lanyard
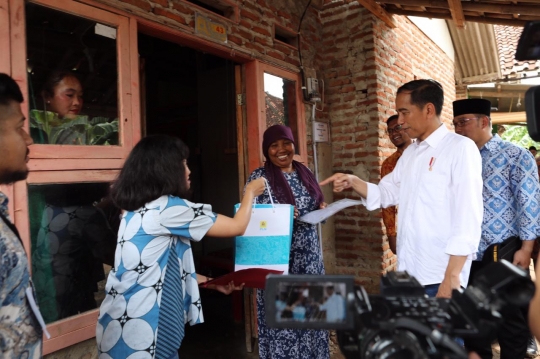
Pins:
x,y
29,290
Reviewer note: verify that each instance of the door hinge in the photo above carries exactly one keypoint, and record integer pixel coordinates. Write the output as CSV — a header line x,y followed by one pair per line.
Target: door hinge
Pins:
x,y
241,99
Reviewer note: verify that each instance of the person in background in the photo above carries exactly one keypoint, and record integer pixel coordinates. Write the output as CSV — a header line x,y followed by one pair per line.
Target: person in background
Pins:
x,y
293,183
62,94
334,305
401,140
153,290
533,151
20,332
436,178
511,194
534,307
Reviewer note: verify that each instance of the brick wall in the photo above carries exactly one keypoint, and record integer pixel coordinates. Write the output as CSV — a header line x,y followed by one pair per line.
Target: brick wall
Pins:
x,y
363,63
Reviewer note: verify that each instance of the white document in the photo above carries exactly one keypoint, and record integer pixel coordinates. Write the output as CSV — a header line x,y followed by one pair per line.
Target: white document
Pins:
x,y
331,209
37,313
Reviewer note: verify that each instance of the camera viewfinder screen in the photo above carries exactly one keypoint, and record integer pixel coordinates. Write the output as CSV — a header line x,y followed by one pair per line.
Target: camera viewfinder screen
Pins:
x,y
313,302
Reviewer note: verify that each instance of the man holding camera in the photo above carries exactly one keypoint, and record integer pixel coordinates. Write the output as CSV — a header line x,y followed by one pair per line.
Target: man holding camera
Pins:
x,y
438,185
511,194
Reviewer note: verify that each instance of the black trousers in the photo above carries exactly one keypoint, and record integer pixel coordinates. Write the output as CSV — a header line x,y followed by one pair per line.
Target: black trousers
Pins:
x,y
513,335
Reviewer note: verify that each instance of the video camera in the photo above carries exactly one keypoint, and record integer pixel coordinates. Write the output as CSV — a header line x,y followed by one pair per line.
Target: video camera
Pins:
x,y
401,322
529,49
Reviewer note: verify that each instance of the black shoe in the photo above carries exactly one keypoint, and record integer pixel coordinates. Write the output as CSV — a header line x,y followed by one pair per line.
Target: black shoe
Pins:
x,y
532,349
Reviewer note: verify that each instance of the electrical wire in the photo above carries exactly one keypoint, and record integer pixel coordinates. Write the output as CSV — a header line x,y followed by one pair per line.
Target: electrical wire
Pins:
x,y
302,75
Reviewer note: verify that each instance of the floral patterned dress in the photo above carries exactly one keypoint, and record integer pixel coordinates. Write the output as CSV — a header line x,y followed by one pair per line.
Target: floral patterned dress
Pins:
x,y
305,258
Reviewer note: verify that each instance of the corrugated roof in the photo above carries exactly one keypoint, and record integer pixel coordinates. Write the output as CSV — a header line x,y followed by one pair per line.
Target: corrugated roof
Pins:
x,y
477,59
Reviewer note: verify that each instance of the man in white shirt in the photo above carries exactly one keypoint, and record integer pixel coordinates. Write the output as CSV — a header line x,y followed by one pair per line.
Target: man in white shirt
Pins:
x,y
438,185
334,306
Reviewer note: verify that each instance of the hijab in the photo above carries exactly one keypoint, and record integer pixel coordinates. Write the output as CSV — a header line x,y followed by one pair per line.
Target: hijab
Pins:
x,y
275,176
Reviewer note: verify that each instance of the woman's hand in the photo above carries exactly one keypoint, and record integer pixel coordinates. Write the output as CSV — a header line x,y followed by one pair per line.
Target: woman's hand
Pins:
x,y
322,205
226,289
256,187
296,213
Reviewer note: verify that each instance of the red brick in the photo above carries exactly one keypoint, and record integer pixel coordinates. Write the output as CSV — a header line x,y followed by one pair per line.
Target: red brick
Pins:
x,y
171,15
143,4
164,3
249,15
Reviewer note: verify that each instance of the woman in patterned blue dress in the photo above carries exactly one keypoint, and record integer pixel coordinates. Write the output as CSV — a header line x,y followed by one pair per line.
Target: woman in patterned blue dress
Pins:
x,y
153,283
293,183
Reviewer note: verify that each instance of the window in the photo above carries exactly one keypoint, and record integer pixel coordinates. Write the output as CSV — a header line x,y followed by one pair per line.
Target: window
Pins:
x,y
72,247
72,79
273,96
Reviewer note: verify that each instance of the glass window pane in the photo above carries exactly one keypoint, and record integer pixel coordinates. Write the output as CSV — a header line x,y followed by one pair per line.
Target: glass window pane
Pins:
x,y
72,79
280,103
73,239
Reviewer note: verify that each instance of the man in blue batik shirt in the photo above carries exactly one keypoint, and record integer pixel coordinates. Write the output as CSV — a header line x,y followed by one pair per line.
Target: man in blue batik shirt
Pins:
x,y
511,193
20,332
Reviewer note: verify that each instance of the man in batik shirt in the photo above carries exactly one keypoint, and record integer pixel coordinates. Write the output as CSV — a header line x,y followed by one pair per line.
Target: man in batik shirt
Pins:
x,y
20,333
401,140
511,194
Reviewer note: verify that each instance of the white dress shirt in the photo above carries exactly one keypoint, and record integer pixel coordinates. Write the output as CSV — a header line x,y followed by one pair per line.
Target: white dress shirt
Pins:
x,y
438,186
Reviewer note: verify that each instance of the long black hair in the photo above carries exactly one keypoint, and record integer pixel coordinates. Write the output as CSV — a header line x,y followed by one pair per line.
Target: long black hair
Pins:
x,y
154,168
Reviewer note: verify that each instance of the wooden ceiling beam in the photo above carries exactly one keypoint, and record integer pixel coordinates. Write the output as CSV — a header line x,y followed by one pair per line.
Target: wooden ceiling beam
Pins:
x,y
472,6
457,13
483,19
379,12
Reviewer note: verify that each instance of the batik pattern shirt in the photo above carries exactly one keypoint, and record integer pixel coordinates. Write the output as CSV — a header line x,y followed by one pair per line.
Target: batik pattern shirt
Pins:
x,y
20,333
129,315
511,193
389,214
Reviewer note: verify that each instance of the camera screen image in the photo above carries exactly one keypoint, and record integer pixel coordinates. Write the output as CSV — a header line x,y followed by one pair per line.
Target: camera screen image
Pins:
x,y
300,302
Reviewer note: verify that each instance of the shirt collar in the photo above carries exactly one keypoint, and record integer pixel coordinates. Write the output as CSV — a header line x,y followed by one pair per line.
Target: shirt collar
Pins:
x,y
436,137
4,204
492,146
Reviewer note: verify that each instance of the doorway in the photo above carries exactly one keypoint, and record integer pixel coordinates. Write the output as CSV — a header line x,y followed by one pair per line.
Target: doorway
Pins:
x,y
191,95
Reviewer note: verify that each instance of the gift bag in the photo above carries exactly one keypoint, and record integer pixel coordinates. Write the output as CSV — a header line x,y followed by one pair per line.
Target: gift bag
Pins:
x,y
267,240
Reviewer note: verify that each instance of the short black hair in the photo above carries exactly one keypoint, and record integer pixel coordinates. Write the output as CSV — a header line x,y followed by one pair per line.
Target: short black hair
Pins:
x,y
155,167
424,92
532,148
9,90
392,118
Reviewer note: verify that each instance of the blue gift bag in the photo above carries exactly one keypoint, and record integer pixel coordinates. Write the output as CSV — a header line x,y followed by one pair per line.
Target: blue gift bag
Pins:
x,y
266,242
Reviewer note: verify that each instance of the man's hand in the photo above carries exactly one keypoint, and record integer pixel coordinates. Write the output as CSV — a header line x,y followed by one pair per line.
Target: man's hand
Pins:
x,y
522,257
446,287
451,276
341,181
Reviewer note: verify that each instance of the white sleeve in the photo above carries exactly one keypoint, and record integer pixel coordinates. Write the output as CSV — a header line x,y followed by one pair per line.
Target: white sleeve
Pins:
x,y
467,207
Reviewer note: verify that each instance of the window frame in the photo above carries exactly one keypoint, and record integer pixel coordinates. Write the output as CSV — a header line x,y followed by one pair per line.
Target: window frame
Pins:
x,y
256,111
128,119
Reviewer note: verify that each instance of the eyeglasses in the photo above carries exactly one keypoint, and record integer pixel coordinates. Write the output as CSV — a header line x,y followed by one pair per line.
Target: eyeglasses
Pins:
x,y
394,129
462,122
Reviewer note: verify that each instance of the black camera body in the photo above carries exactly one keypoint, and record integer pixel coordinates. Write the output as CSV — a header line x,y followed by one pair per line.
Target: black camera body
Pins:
x,y
529,49
401,322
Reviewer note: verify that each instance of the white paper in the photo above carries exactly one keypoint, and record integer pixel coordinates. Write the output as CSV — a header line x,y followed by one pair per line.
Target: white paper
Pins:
x,y
36,311
331,209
